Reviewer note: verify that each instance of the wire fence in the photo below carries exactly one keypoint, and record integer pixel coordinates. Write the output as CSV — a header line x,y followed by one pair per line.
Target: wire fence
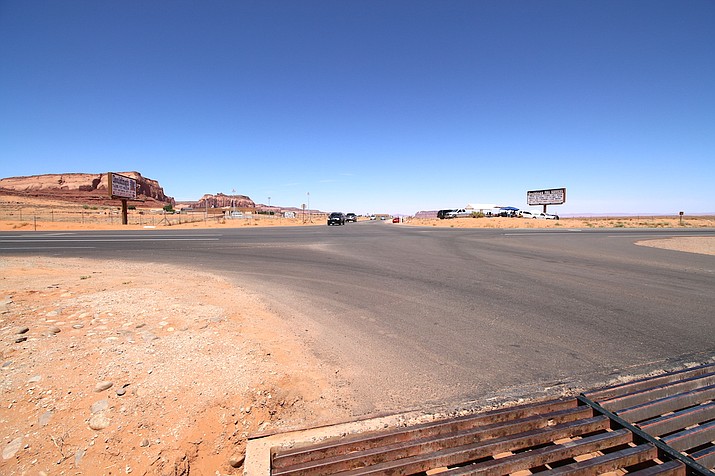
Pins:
x,y
25,216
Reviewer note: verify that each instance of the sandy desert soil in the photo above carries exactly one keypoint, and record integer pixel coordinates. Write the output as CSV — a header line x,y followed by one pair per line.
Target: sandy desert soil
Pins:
x,y
116,368
690,244
31,213
566,223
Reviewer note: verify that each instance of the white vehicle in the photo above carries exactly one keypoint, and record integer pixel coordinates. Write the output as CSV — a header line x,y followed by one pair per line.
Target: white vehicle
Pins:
x,y
546,216
527,214
460,213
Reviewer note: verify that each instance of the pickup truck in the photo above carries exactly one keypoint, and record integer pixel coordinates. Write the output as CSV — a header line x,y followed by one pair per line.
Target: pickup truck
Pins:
x,y
459,213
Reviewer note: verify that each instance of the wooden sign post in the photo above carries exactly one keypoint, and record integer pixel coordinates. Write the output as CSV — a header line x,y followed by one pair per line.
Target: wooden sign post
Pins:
x,y
123,188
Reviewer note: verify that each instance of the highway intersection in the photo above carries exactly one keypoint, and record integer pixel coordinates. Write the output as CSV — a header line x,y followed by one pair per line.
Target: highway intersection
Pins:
x,y
416,316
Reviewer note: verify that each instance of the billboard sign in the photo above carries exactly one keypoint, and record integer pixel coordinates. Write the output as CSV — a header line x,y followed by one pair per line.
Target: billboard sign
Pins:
x,y
121,186
554,196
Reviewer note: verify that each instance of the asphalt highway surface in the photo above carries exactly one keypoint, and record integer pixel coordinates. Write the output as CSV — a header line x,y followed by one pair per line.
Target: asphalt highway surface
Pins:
x,y
411,317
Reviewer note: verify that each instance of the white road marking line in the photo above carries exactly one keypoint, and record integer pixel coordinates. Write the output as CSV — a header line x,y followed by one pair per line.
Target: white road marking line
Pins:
x,y
35,248
103,240
538,233
645,236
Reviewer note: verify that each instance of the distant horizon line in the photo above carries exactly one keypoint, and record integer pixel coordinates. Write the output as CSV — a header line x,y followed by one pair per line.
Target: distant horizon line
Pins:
x,y
619,214
574,215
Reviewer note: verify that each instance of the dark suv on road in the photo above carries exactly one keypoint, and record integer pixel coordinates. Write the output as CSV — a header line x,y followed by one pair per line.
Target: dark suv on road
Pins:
x,y
336,218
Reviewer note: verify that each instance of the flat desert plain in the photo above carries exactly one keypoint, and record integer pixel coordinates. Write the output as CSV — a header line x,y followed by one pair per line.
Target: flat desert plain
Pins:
x,y
689,244
109,368
28,213
566,223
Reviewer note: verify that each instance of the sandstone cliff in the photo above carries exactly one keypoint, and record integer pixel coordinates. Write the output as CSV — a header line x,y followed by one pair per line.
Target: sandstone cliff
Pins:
x,y
221,200
79,187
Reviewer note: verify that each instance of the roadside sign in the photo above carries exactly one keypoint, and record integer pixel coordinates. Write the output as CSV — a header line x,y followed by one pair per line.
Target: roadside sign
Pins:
x,y
121,186
124,188
554,196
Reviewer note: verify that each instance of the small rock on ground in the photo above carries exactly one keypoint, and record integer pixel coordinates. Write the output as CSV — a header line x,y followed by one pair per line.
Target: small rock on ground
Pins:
x,y
99,421
102,386
12,448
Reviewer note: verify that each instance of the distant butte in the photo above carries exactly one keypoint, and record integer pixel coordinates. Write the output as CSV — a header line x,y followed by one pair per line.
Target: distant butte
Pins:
x,y
221,200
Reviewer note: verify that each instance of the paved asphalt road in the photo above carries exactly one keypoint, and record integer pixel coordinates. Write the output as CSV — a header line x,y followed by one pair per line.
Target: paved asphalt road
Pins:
x,y
411,317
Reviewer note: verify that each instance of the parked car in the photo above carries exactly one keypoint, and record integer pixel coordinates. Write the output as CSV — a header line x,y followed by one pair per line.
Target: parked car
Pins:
x,y
526,214
350,217
336,218
459,213
442,214
546,216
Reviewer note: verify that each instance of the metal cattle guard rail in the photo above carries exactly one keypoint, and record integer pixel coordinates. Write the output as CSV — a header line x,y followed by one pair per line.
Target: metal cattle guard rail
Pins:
x,y
657,426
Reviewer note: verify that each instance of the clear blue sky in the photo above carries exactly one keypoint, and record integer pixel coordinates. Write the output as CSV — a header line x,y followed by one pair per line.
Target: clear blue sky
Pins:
x,y
370,106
